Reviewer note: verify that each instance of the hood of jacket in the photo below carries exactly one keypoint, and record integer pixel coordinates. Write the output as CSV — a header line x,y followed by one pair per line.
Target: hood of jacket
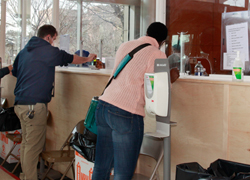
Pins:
x,y
36,42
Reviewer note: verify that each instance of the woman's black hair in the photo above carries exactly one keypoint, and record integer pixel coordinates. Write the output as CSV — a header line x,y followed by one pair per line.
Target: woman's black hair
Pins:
x,y
158,30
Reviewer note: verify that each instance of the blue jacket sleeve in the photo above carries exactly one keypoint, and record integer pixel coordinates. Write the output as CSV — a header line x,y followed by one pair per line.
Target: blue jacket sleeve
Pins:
x,y
4,71
59,57
14,70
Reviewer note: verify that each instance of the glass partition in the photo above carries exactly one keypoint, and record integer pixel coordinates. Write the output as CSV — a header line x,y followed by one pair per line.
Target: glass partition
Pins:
x,y
200,23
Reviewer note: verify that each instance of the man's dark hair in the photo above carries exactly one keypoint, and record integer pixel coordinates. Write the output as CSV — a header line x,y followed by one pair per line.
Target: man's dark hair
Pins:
x,y
157,30
45,30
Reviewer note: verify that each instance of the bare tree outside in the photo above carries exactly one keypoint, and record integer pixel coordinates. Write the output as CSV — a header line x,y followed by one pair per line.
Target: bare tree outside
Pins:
x,y
68,22
40,14
103,22
99,22
13,30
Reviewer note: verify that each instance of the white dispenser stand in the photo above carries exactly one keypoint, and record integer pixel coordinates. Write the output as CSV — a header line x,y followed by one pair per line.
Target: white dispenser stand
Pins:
x,y
158,102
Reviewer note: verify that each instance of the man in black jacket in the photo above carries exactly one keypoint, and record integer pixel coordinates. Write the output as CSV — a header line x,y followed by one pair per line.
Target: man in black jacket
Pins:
x,y
34,68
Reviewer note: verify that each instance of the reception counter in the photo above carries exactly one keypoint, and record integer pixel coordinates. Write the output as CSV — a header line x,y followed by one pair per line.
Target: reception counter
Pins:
x,y
212,115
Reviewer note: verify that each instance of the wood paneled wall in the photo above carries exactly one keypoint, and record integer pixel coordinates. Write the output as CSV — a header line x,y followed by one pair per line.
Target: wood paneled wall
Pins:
x,y
212,117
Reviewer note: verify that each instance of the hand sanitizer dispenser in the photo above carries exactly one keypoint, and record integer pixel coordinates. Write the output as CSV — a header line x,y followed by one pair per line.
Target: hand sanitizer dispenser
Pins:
x,y
156,92
157,97
158,102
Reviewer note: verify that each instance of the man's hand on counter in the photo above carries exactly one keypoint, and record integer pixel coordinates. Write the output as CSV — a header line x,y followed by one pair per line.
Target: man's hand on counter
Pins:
x,y
91,57
174,74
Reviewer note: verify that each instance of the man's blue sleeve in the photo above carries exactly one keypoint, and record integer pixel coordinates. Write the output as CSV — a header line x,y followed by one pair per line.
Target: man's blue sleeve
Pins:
x,y
4,71
59,58
15,65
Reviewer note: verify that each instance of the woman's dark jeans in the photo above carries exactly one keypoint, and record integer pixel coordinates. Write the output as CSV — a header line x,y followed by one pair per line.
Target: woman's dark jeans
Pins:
x,y
119,138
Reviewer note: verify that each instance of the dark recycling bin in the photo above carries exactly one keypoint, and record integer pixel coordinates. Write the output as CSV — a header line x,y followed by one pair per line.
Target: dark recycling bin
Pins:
x,y
218,170
191,171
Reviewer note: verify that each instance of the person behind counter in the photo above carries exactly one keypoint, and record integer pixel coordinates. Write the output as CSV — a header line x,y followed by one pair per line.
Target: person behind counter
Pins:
x,y
120,112
84,54
34,68
175,58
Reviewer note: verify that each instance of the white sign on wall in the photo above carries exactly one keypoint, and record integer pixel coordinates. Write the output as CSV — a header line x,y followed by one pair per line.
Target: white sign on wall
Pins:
x,y
236,40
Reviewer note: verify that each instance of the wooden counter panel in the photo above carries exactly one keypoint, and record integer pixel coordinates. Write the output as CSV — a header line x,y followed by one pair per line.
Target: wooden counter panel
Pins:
x,y
212,117
200,132
73,93
239,108
8,83
239,146
239,123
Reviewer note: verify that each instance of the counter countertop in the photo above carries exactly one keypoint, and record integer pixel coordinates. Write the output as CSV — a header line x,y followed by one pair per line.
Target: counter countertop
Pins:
x,y
215,79
105,72
212,78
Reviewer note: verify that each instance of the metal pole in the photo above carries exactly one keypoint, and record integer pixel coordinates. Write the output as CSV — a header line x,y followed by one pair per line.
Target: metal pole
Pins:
x,y
23,23
167,158
164,123
79,26
183,59
100,49
2,30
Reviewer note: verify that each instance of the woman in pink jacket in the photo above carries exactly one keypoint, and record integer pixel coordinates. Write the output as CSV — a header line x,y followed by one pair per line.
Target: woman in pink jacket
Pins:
x,y
120,112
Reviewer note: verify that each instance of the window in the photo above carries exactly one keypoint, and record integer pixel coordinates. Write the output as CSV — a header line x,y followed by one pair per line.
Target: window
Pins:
x,y
0,15
68,22
238,3
13,30
38,13
104,25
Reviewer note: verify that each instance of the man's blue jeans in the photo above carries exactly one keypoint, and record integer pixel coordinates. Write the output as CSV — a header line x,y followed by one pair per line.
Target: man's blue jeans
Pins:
x,y
119,139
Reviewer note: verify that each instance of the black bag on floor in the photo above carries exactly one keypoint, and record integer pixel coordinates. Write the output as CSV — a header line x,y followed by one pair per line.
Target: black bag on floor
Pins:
x,y
9,120
84,144
218,170
229,169
191,171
